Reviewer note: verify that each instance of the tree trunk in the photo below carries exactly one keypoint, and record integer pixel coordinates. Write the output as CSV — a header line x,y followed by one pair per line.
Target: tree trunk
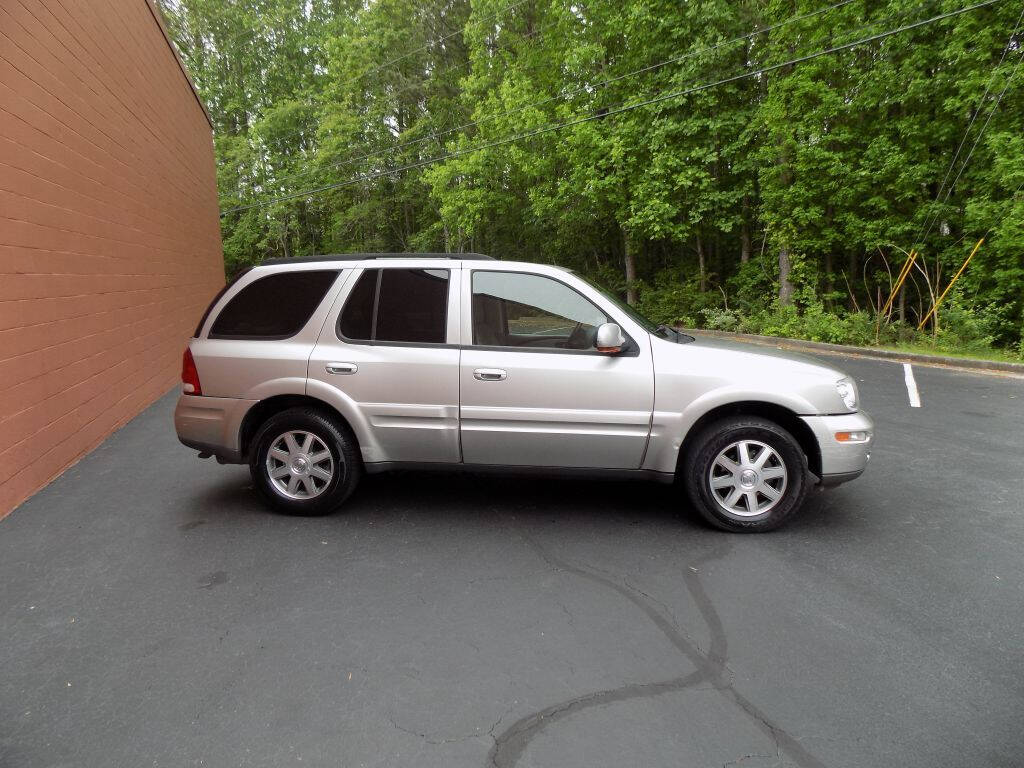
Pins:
x,y
407,229
852,277
829,219
785,286
629,256
701,265
828,274
745,244
716,249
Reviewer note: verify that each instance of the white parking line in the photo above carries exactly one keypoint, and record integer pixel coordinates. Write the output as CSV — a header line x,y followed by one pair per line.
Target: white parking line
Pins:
x,y
908,377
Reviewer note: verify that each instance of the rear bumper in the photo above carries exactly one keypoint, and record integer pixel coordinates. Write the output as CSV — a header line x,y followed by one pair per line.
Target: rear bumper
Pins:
x,y
212,425
841,462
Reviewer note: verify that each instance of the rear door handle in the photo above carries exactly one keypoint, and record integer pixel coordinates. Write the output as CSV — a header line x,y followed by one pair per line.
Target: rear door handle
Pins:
x,y
490,374
342,368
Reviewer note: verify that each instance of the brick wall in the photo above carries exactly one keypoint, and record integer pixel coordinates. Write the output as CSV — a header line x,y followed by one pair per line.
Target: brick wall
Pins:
x,y
109,238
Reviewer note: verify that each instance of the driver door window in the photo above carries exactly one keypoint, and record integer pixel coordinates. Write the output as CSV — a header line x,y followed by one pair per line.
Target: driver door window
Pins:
x,y
514,309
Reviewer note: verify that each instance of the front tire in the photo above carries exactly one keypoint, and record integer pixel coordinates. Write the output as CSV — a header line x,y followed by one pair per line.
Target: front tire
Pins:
x,y
746,474
303,463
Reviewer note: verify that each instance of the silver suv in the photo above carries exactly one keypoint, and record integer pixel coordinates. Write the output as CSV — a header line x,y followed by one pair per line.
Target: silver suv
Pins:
x,y
316,370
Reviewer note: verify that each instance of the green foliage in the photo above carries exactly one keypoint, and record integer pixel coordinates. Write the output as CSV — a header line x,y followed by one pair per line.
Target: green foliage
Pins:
x,y
966,329
673,300
783,203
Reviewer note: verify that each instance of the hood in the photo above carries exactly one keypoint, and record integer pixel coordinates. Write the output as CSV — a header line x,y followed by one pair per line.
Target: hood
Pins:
x,y
734,370
758,355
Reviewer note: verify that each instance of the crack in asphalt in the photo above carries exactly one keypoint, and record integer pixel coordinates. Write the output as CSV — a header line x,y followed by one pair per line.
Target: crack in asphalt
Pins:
x,y
739,760
711,668
435,740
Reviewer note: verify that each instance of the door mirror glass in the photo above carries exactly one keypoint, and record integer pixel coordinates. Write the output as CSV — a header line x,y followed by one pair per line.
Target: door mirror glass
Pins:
x,y
610,339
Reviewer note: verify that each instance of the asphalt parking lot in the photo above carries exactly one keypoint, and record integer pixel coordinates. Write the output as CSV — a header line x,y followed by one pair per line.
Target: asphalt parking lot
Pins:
x,y
154,613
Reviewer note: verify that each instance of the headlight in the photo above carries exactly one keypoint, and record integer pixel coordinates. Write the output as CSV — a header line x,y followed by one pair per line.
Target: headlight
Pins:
x,y
847,390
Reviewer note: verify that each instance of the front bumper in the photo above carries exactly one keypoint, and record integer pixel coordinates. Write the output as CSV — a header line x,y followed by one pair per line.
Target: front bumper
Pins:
x,y
212,424
844,461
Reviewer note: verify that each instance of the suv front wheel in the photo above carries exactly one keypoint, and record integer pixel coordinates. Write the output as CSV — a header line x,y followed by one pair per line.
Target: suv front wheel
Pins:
x,y
303,463
746,474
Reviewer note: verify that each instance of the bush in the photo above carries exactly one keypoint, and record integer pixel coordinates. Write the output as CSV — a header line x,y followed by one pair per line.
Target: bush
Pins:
x,y
677,300
720,319
966,330
860,329
819,325
814,323
777,321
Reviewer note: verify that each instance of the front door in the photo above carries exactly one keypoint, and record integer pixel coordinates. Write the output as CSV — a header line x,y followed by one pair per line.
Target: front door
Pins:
x,y
534,391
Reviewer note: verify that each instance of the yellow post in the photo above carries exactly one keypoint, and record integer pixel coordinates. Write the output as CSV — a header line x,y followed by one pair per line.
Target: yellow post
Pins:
x,y
904,273
958,273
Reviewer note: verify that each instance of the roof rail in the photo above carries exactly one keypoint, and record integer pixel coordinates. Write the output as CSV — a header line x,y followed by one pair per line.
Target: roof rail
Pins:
x,y
369,256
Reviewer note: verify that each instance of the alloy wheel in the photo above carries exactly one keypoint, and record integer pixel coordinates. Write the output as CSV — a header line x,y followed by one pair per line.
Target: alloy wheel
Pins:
x,y
299,465
748,478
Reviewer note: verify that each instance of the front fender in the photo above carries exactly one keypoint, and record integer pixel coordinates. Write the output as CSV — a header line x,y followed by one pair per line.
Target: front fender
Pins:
x,y
672,418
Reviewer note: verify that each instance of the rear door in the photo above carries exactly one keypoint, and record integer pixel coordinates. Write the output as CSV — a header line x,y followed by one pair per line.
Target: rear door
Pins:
x,y
534,390
390,351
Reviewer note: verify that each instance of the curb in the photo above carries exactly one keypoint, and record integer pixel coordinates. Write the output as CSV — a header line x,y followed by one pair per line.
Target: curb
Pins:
x,y
872,352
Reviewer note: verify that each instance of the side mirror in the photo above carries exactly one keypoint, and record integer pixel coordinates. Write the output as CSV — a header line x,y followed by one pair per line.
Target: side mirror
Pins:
x,y
610,339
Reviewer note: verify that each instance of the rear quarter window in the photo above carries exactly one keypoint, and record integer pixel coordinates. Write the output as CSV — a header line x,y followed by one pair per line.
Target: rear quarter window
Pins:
x,y
273,307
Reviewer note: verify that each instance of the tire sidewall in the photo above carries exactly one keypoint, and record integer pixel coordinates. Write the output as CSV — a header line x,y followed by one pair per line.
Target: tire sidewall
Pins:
x,y
337,442
723,434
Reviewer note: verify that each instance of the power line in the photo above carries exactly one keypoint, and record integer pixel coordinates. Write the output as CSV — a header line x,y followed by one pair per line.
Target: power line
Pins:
x,y
611,112
932,218
608,113
443,71
568,94
436,136
220,45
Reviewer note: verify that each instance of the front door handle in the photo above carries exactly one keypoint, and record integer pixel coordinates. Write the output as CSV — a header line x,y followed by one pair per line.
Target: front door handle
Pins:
x,y
342,368
490,374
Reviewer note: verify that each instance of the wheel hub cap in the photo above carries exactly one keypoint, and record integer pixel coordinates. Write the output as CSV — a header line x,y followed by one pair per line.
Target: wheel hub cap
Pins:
x,y
299,465
748,479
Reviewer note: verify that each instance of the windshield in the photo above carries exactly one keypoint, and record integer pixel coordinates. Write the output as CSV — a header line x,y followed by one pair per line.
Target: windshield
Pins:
x,y
659,330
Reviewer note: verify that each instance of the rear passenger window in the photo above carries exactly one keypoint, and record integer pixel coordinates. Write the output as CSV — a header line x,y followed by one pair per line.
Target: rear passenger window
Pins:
x,y
397,305
273,307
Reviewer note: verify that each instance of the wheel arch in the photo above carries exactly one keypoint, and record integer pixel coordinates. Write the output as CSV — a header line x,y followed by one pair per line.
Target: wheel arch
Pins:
x,y
779,414
265,409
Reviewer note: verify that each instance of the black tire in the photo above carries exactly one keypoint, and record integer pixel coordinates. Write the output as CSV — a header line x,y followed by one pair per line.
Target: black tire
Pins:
x,y
721,435
347,466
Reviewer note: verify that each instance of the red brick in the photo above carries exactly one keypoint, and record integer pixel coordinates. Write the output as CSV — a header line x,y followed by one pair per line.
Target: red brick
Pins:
x,y
109,232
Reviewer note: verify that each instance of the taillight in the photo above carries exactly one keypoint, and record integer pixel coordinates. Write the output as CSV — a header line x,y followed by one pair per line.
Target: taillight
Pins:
x,y
189,375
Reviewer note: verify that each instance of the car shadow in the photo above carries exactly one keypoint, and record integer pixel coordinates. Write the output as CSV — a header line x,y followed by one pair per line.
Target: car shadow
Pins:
x,y
468,497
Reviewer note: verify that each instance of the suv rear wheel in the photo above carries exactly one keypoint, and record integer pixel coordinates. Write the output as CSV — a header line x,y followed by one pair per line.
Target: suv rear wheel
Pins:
x,y
303,463
746,474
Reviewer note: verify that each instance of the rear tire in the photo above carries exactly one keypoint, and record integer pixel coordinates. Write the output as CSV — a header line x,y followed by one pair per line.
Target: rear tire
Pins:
x,y
746,474
304,463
